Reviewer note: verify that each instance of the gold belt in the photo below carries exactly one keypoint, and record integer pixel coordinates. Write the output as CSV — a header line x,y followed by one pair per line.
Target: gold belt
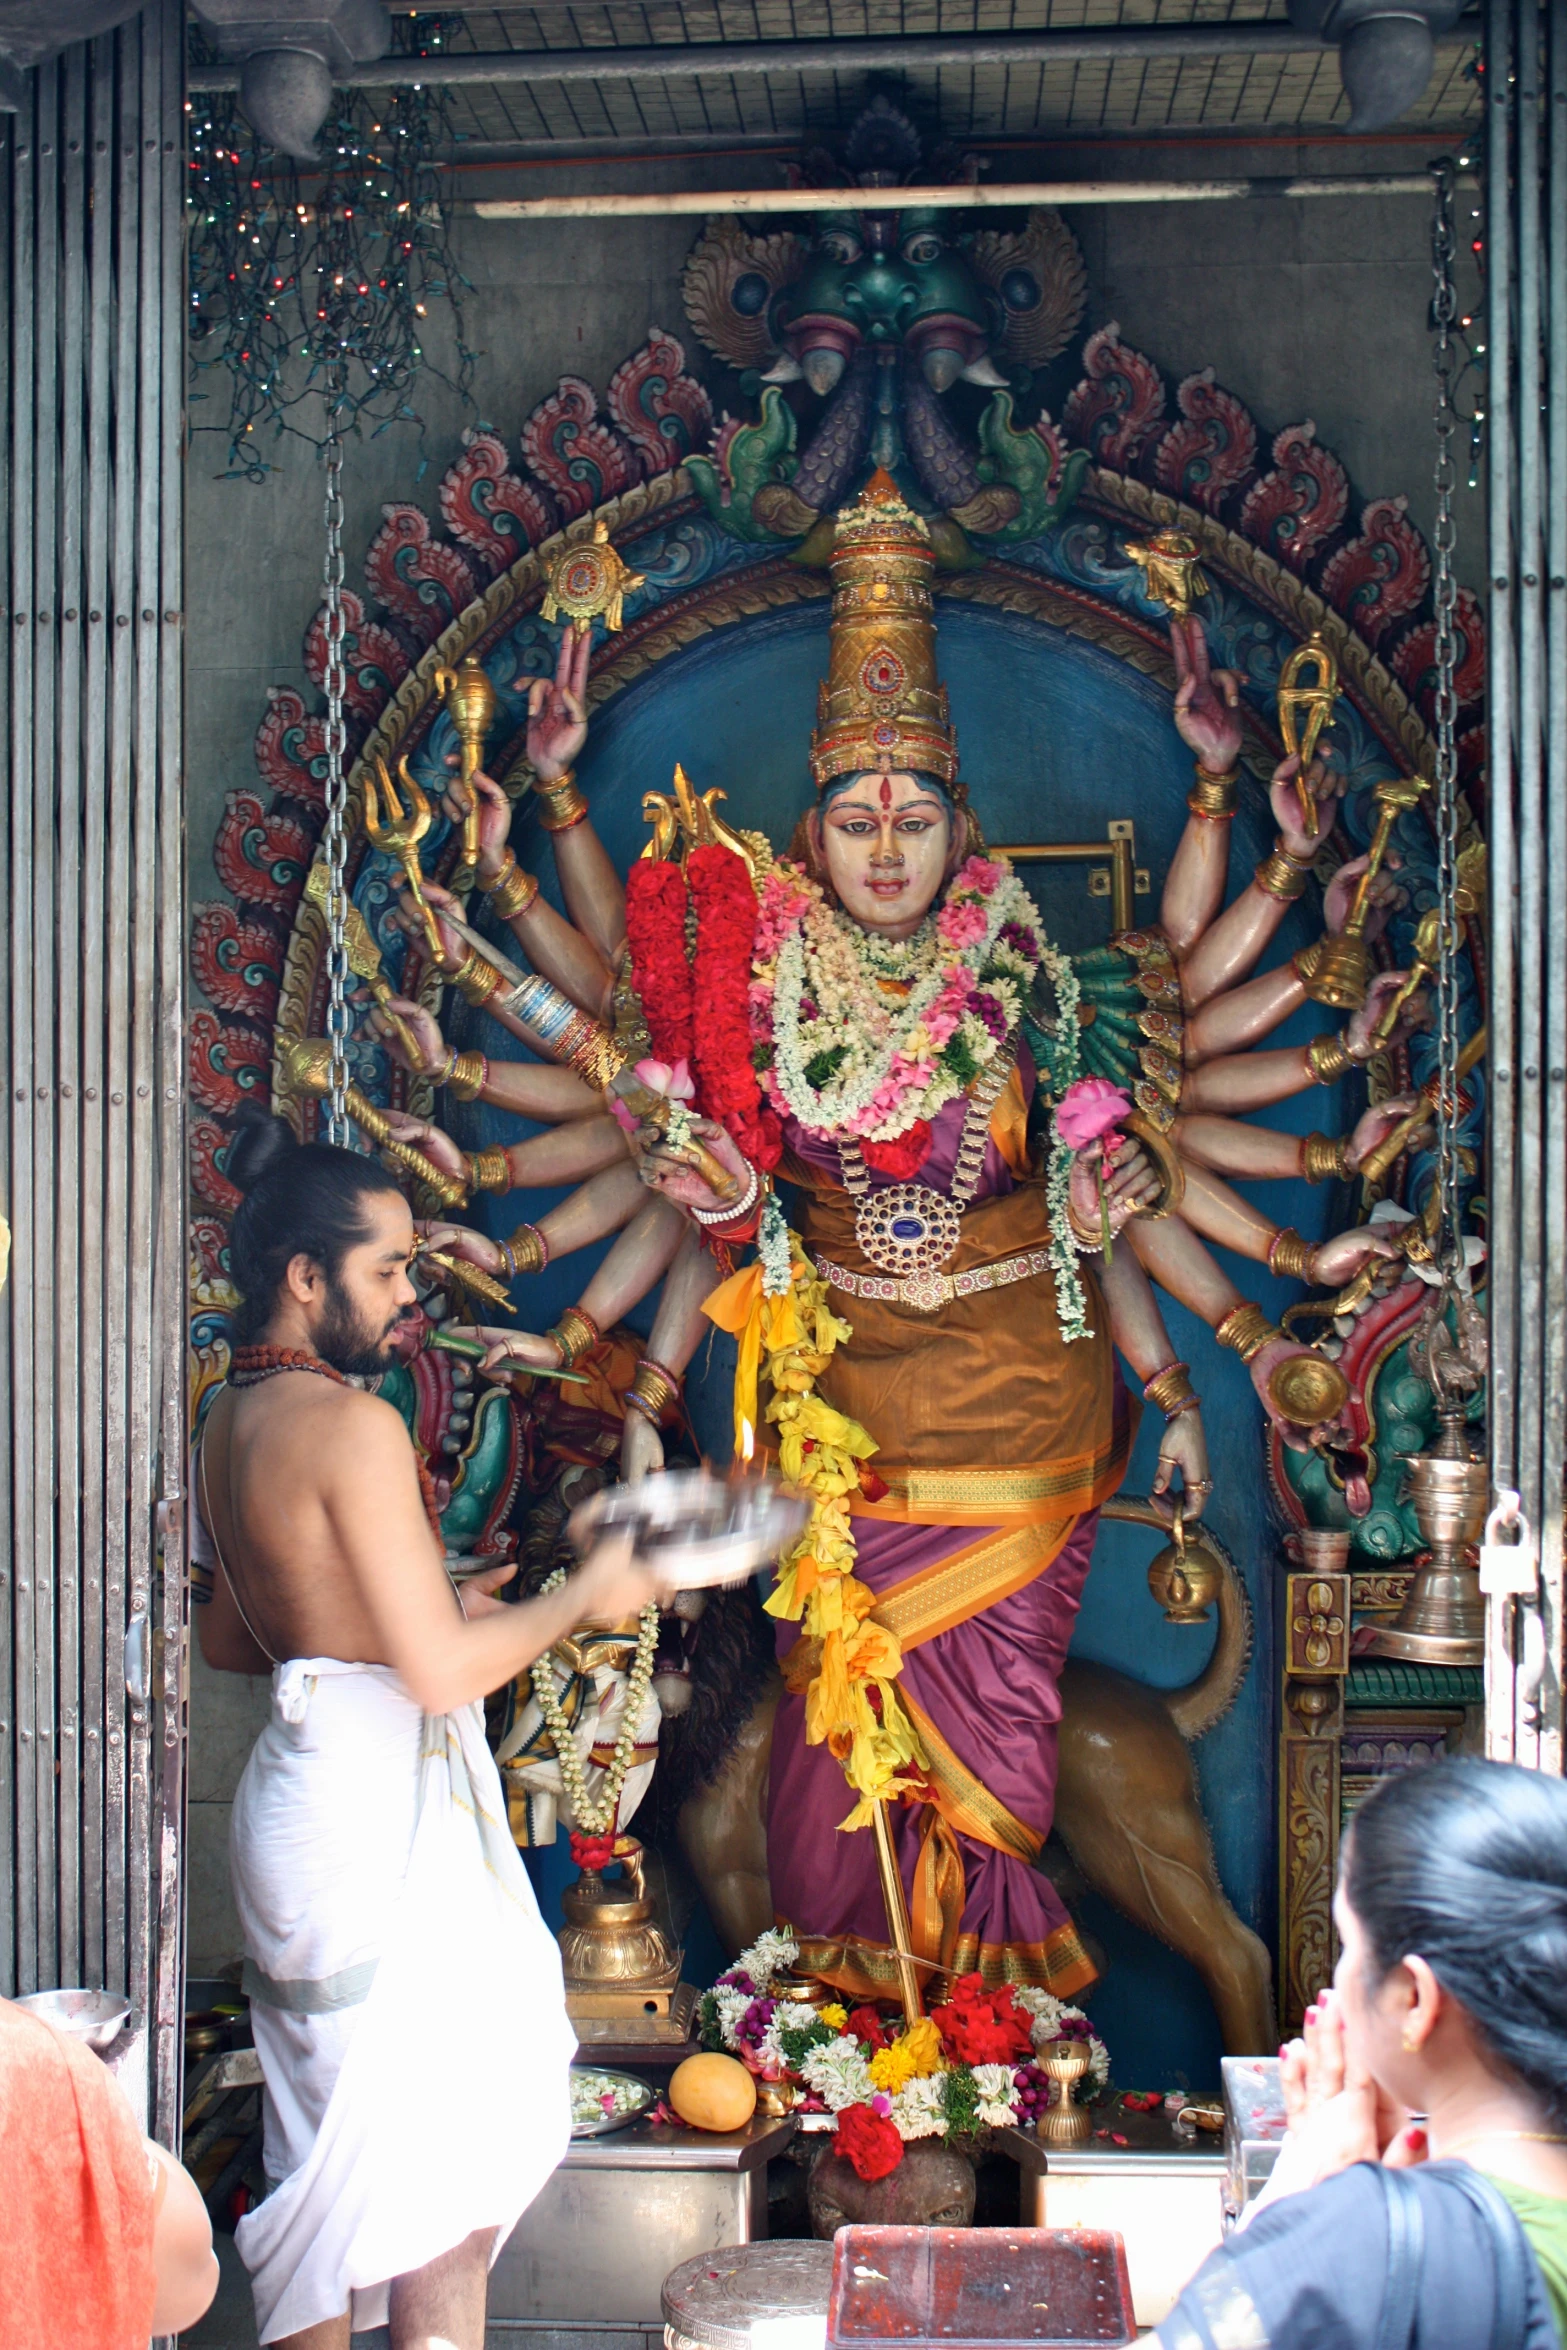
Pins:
x,y
925,1292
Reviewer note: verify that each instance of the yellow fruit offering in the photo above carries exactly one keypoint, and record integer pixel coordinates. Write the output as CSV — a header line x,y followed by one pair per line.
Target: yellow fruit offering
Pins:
x,y
713,2093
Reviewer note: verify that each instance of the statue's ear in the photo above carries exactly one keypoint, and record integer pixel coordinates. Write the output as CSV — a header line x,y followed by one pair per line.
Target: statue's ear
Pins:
x,y
1036,276
730,283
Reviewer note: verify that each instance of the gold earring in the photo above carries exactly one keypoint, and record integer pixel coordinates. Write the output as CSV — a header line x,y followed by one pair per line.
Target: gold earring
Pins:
x,y
1411,2041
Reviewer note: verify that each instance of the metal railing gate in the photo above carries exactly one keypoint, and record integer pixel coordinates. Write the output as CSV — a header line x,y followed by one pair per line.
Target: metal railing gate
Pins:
x,y
91,1018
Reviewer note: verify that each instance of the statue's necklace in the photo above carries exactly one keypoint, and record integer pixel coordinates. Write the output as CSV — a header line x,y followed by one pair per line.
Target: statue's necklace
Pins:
x,y
249,1365
908,1229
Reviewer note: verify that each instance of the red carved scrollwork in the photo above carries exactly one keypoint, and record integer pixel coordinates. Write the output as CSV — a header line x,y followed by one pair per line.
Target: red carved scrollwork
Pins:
x,y
375,660
1116,408
664,413
422,582
1381,576
1212,451
208,1143
580,461
262,857
291,749
237,964
1414,662
489,507
230,1065
1294,510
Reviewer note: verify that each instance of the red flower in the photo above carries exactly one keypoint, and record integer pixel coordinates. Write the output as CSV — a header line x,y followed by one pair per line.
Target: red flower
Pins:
x,y
903,1157
865,2024
656,929
725,905
592,1852
871,2144
982,2024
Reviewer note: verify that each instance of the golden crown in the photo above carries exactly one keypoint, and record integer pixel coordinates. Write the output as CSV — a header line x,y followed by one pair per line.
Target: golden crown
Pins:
x,y
880,705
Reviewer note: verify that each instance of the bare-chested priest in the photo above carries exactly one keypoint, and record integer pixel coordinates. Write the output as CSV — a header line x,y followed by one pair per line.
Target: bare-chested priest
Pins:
x,y
406,1996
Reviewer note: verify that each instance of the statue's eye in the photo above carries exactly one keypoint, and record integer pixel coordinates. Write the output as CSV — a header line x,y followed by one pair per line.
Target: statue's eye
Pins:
x,y
841,245
922,249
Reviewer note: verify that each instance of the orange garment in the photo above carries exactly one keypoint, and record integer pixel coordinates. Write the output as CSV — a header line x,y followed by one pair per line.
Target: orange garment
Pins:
x,y
76,2198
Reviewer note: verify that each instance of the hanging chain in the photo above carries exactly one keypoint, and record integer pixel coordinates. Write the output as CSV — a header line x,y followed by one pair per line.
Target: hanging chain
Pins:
x,y
336,781
1446,361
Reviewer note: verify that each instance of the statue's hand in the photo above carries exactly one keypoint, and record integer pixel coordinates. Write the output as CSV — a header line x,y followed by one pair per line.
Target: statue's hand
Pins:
x,y
422,1030
1262,1367
1131,1181
1373,1127
453,950
1288,801
1183,1447
557,712
511,1350
460,1240
437,1146
664,1170
1360,1037
1333,1262
641,1449
1207,701
494,817
1385,896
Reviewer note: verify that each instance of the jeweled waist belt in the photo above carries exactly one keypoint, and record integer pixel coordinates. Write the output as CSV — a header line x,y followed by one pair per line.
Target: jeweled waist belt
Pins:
x,y
925,1292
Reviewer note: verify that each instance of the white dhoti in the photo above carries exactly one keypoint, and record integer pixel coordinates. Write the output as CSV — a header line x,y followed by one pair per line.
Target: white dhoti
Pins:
x,y
405,1994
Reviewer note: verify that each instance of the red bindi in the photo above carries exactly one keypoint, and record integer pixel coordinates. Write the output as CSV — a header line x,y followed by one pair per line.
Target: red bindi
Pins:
x,y
886,793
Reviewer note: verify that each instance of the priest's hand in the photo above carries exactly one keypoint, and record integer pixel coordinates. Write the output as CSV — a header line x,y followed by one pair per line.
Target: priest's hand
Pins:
x,y
1322,787
641,1449
1183,1448
1207,701
557,711
476,1592
494,817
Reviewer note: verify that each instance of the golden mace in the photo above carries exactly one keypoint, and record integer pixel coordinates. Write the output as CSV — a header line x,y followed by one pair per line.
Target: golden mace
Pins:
x,y
472,703
305,1068
1343,970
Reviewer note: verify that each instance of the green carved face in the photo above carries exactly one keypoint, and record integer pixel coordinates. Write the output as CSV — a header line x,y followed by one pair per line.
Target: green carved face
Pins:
x,y
885,278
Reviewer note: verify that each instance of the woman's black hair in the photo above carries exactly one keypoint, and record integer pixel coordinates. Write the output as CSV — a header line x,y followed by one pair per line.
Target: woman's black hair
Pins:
x,y
1464,1864
299,1199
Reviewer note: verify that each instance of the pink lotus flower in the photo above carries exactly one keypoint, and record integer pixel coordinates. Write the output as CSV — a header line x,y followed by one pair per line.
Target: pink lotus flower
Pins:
x,y
672,1079
1089,1111
961,924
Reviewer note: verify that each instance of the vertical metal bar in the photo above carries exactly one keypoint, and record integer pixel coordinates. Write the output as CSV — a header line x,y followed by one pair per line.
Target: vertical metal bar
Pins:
x,y
19,1105
1554,1202
169,1301
1532,919
71,948
98,622
141,1115
1503,848
8,168
120,608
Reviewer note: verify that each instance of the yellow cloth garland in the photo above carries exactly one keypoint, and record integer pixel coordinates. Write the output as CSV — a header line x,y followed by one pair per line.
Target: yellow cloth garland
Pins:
x,y
851,1705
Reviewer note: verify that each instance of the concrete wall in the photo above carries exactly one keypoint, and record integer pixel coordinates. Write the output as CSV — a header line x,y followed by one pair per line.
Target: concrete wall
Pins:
x,y
1303,308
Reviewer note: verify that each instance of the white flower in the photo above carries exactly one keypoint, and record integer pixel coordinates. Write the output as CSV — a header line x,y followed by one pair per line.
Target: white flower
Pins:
x,y
731,2005
917,2109
1048,2014
772,1953
788,2017
997,2096
839,2074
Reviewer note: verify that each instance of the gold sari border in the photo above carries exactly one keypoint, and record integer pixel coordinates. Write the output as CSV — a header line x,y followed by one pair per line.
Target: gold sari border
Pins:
x,y
867,1970
964,1800
984,1496
964,1584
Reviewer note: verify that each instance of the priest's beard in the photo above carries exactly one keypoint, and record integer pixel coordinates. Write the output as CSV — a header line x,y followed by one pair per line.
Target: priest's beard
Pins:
x,y
347,1341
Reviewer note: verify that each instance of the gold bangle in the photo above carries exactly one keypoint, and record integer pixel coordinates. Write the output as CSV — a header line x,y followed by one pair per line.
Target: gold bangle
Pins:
x,y
1304,965
1212,797
488,1169
1170,1390
587,1046
654,1388
1323,1158
1247,1329
561,805
467,1076
576,1334
527,1251
1279,876
1290,1255
1328,1059
476,979
512,891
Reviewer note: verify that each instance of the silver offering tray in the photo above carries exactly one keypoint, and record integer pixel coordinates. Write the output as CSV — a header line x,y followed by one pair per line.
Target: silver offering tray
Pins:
x,y
601,2125
97,2017
698,1531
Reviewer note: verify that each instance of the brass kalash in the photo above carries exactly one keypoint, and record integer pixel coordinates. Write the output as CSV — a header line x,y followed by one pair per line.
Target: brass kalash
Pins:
x,y
622,1972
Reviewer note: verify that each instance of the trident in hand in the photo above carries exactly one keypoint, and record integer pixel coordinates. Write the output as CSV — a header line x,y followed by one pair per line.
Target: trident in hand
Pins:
x,y
398,836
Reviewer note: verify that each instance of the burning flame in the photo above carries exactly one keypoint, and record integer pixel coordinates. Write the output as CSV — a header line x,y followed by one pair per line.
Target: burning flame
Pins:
x,y
747,1442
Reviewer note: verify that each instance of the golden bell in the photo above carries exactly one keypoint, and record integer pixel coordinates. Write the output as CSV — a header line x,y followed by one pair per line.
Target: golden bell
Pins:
x,y
1308,1389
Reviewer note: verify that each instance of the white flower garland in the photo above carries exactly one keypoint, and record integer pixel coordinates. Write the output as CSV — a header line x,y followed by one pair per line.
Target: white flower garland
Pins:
x,y
592,1818
1065,1033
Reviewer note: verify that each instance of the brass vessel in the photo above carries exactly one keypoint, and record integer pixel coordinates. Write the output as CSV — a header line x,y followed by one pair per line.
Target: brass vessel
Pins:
x,y
1065,2123
1184,1576
609,1941
1442,1622
1308,1390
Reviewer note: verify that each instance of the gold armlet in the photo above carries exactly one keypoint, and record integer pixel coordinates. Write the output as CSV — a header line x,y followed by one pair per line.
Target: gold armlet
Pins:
x,y
512,891
1323,1158
1170,1390
576,1334
1212,797
527,1251
1280,876
489,1169
467,1075
476,979
561,805
1247,1329
654,1391
1328,1059
1290,1255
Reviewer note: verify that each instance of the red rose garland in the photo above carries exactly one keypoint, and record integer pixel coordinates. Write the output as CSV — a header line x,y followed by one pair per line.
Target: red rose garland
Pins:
x,y
656,929
725,902
871,2143
983,2024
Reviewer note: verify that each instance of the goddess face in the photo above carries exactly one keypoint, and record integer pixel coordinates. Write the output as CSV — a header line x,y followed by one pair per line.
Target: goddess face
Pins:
x,y
885,843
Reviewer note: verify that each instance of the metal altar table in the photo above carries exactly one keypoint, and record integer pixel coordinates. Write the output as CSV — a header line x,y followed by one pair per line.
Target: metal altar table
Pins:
x,y
1162,2192
592,2252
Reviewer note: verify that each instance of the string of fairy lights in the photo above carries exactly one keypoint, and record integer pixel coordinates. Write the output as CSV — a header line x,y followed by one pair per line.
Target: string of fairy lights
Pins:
x,y
322,279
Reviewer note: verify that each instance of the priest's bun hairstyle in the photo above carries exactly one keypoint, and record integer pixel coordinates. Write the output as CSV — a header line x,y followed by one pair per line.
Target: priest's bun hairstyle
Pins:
x,y
1464,1864
298,1199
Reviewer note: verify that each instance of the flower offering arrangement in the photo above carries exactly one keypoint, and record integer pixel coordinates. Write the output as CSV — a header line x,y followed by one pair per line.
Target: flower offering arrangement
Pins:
x,y
967,2067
